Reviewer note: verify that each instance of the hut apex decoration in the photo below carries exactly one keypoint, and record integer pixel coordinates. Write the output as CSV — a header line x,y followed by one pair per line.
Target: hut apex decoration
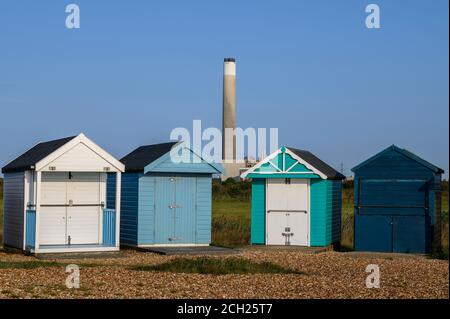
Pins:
x,y
296,200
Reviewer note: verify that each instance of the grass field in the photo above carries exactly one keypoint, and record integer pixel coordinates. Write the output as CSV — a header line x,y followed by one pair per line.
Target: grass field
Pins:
x,y
1,221
231,221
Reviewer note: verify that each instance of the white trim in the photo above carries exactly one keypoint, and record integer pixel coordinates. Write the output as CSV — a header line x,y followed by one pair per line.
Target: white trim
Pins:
x,y
301,161
267,159
75,250
276,167
118,202
292,166
38,210
81,138
26,195
291,173
295,156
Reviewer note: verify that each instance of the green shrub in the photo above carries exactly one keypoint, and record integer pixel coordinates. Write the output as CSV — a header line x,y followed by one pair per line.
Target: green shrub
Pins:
x,y
216,266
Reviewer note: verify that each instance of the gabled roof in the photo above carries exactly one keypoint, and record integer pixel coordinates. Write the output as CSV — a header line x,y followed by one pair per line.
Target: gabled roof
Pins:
x,y
157,158
404,152
137,160
301,164
316,162
43,154
28,160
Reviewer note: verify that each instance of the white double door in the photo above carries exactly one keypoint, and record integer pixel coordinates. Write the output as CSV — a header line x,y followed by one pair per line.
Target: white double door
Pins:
x,y
70,211
287,212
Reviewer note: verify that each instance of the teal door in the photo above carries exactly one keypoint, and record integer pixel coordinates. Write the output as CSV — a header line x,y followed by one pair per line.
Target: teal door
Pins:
x,y
175,210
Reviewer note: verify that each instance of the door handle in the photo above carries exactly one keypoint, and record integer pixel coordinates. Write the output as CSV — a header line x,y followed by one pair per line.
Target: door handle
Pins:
x,y
70,202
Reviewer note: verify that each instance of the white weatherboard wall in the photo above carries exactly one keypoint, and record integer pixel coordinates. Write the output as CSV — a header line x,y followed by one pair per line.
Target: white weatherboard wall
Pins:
x,y
13,213
78,159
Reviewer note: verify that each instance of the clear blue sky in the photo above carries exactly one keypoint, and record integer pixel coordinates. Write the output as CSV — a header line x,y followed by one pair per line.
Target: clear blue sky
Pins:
x,y
137,69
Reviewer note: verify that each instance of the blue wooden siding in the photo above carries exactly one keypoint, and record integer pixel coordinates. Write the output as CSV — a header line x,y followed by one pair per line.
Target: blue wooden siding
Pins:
x,y
111,190
109,227
394,204
258,214
146,209
128,205
30,236
204,211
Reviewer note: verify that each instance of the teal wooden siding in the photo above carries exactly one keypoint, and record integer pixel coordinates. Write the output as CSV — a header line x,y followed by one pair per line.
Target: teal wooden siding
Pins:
x,y
336,211
280,175
325,212
258,214
109,227
128,205
30,229
320,204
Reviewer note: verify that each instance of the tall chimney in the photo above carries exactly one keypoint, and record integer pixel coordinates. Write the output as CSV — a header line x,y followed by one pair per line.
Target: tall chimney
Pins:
x,y
229,109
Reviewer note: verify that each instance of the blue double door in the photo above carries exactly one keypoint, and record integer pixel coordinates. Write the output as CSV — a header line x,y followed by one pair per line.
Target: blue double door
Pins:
x,y
392,216
175,209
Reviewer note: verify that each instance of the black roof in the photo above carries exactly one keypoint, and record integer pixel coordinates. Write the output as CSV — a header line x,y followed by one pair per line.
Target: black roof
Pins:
x,y
27,160
144,155
326,169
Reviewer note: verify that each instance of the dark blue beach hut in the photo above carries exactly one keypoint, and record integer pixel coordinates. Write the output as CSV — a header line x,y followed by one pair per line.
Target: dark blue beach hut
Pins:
x,y
397,203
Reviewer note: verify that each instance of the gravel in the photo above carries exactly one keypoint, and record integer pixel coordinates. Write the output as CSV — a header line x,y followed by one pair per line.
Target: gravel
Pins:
x,y
327,275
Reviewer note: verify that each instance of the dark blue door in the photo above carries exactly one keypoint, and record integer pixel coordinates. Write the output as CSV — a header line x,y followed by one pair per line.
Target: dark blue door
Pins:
x,y
390,215
409,234
373,233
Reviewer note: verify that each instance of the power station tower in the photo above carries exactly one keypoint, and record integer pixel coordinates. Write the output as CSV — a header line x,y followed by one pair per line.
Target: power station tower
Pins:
x,y
229,110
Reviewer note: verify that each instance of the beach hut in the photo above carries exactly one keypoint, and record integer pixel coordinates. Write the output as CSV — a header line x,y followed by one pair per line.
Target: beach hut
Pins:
x,y
165,201
55,198
296,200
397,203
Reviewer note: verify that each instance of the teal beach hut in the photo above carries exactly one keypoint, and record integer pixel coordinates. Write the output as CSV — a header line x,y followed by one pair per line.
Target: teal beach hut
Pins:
x,y
165,202
296,200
